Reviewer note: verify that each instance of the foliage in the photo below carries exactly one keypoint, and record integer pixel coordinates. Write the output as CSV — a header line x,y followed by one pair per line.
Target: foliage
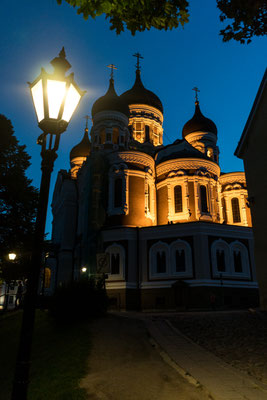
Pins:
x,y
80,300
249,19
136,15
18,203
249,16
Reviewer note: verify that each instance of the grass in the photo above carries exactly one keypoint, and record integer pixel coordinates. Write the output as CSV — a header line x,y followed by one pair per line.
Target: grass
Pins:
x,y
59,357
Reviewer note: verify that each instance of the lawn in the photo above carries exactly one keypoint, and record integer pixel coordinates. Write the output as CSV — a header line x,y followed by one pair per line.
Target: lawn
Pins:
x,y
59,357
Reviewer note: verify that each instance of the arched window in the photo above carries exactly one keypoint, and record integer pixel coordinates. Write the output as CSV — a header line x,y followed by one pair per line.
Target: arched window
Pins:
x,y
148,199
147,133
235,210
178,201
161,262
47,278
102,136
118,192
180,260
238,261
203,198
115,136
159,259
115,264
116,259
220,258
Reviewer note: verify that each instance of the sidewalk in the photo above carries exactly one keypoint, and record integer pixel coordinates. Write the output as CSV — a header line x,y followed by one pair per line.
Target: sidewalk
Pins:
x,y
198,365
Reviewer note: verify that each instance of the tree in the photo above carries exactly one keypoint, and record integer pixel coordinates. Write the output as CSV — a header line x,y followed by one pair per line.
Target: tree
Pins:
x,y
18,203
137,15
249,16
249,19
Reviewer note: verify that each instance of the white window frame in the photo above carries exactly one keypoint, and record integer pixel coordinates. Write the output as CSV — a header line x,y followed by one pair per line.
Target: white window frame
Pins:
x,y
118,171
158,247
183,245
236,245
221,245
116,248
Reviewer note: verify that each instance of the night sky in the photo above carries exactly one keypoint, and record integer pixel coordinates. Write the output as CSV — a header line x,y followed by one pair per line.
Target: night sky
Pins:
x,y
227,74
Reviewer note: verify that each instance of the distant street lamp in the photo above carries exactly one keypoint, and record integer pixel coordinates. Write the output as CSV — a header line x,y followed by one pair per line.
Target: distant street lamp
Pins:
x,y
84,269
12,256
55,97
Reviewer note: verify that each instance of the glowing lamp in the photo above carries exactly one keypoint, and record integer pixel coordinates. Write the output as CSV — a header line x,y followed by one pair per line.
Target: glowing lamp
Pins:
x,y
12,256
84,269
55,96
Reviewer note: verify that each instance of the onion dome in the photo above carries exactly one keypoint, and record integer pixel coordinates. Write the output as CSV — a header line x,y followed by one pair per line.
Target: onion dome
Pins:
x,y
140,95
199,123
83,148
110,102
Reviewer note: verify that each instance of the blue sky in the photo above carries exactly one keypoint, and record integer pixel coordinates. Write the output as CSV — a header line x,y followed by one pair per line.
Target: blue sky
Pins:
x,y
227,74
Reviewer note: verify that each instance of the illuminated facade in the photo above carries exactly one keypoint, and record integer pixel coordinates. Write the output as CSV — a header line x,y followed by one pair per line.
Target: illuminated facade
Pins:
x,y
176,229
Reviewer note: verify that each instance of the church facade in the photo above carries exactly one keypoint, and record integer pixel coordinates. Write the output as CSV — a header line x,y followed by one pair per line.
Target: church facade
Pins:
x,y
176,230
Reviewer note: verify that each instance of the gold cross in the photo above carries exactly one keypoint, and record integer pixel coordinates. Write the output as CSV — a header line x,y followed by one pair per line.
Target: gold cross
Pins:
x,y
196,91
138,56
112,66
87,118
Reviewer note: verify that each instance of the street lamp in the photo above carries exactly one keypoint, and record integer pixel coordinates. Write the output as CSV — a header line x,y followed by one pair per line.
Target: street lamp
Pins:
x,y
55,97
12,256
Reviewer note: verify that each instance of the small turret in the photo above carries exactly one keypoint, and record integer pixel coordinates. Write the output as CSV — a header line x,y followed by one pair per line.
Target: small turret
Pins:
x,y
80,152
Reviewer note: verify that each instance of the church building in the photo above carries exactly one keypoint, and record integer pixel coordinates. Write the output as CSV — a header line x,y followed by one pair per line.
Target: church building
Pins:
x,y
176,230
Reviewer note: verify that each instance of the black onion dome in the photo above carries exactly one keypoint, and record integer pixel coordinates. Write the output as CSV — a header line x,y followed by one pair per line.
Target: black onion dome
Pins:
x,y
110,101
199,123
83,148
140,95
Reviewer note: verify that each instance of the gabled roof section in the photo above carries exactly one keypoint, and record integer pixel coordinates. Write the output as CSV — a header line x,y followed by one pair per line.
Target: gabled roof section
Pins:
x,y
246,131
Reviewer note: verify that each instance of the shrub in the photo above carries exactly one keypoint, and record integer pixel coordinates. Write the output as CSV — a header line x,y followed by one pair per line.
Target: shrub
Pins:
x,y
80,300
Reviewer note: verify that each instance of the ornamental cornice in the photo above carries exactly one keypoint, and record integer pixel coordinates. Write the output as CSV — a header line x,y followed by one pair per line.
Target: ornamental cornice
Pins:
x,y
232,177
186,164
110,115
133,157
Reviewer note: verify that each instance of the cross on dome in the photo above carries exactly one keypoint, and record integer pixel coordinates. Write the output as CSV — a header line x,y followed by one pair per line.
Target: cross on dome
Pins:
x,y
87,117
196,93
112,67
138,56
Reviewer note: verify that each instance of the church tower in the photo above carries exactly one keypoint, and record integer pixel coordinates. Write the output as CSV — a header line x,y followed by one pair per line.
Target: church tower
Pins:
x,y
201,133
146,111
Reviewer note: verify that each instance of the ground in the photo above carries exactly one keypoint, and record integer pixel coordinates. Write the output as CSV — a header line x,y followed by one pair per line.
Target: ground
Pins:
x,y
237,337
123,365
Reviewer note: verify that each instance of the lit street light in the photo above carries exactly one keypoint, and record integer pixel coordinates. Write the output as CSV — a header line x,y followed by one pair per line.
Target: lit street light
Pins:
x,y
55,97
12,256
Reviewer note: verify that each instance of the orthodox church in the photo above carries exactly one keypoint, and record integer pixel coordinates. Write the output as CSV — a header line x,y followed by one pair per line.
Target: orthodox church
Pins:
x,y
171,230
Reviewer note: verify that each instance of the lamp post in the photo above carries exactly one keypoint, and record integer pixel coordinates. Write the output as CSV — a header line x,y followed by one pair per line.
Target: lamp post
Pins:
x,y
55,97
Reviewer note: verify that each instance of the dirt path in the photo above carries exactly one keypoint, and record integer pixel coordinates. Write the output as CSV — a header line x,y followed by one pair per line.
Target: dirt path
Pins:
x,y
123,365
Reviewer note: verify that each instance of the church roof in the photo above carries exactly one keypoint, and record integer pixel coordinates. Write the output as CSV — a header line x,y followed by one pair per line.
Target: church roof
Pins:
x,y
83,148
110,102
138,94
179,149
199,123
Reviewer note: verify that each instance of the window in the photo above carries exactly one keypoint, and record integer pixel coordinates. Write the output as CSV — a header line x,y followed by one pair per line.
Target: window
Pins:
x,y
117,261
102,136
238,261
224,210
178,203
115,264
147,133
220,258
203,197
108,136
118,192
47,278
210,152
161,262
115,136
180,260
148,199
235,210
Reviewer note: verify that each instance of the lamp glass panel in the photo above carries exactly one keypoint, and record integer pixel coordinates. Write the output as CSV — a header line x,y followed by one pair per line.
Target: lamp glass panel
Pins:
x,y
38,100
55,96
12,256
72,100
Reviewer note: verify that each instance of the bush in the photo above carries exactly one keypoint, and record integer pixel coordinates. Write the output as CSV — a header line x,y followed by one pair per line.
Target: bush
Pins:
x,y
80,300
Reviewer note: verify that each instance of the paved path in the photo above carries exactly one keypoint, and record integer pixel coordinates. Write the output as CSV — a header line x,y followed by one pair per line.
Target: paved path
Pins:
x,y
221,380
199,366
